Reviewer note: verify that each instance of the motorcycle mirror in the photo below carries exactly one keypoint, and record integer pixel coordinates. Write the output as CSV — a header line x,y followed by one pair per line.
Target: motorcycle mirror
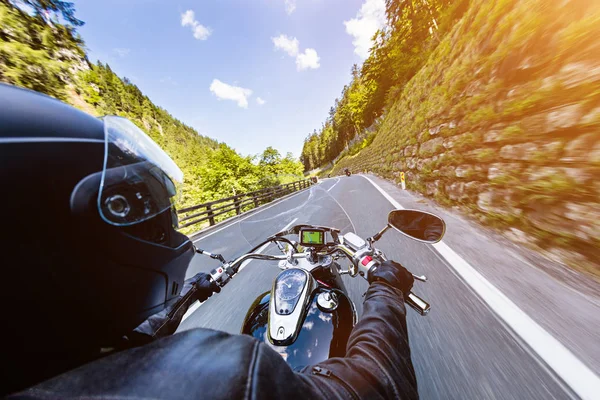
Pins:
x,y
419,225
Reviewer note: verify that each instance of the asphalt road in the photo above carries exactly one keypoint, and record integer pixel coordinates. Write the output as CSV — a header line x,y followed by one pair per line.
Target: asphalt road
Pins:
x,y
461,350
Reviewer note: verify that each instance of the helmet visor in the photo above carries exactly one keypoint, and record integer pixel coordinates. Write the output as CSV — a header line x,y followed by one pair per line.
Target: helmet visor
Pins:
x,y
139,180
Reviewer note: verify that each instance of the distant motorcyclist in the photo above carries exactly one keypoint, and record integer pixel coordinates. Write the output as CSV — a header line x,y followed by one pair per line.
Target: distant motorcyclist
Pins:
x,y
347,171
94,279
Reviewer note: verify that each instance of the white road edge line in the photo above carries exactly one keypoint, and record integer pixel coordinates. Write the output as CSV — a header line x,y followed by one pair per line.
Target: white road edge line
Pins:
x,y
247,216
582,380
332,186
197,304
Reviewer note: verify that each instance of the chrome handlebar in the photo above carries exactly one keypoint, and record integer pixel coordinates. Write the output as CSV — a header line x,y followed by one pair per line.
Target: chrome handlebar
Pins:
x,y
225,272
362,262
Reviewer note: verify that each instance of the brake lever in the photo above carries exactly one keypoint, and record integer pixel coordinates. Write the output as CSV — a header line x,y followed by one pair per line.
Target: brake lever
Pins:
x,y
421,278
414,301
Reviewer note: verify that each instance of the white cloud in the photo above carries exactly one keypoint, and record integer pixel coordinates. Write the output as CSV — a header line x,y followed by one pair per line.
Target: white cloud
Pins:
x,y
290,6
260,101
291,45
287,44
228,92
121,52
200,31
369,19
188,18
308,59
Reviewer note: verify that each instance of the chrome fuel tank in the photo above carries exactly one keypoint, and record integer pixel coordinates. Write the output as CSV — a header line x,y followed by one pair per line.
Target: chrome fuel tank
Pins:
x,y
324,334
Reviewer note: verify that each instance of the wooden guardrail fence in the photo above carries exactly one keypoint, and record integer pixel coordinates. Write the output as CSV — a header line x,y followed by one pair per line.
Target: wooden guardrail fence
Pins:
x,y
238,203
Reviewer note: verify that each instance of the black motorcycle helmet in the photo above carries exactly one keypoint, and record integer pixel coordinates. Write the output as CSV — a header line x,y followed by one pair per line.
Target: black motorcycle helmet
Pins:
x,y
89,247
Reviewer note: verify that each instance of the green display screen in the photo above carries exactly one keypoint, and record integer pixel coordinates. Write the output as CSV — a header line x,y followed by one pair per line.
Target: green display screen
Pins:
x,y
312,237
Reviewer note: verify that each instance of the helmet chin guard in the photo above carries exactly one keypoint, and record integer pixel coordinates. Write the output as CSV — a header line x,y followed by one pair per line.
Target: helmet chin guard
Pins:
x,y
139,180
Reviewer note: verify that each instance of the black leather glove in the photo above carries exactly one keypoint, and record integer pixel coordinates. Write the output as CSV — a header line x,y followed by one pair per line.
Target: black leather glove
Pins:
x,y
164,323
394,274
204,287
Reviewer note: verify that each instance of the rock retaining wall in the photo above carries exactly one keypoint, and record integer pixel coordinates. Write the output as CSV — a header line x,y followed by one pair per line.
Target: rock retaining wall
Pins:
x,y
504,123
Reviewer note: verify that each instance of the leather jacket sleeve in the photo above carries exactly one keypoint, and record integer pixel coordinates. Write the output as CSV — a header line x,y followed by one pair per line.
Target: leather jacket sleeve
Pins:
x,y
203,363
165,323
377,364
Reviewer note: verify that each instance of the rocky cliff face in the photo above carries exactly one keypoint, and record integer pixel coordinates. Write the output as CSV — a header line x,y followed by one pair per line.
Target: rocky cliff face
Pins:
x,y
504,122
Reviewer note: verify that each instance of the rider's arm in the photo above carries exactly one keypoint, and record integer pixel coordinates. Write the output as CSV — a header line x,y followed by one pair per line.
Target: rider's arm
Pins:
x,y
211,364
164,323
377,363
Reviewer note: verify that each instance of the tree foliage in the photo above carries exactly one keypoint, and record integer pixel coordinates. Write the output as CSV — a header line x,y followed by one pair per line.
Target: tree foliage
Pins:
x,y
66,9
212,170
35,54
400,50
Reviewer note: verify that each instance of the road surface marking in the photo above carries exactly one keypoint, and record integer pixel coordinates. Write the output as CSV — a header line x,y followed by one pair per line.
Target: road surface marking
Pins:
x,y
197,304
583,381
332,186
344,210
247,216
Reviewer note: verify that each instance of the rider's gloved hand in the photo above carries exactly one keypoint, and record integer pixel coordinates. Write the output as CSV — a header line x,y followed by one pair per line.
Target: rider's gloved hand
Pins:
x,y
394,274
204,286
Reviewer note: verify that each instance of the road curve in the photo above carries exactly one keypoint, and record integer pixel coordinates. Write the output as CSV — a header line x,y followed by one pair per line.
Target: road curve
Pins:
x,y
461,350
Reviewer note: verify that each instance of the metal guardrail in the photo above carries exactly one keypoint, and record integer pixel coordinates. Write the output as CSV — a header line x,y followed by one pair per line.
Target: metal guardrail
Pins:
x,y
244,201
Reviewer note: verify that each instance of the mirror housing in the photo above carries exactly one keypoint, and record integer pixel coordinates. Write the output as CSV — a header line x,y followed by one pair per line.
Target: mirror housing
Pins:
x,y
419,225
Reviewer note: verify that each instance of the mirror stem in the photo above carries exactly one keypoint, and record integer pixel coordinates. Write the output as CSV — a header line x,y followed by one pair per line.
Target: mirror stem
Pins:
x,y
380,233
211,255
378,236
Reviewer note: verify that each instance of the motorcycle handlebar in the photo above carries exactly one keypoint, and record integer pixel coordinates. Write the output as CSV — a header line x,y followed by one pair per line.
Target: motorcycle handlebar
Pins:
x,y
224,273
362,265
417,303
414,301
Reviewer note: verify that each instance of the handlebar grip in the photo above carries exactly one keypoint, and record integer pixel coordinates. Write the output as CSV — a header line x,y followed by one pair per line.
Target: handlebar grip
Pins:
x,y
417,303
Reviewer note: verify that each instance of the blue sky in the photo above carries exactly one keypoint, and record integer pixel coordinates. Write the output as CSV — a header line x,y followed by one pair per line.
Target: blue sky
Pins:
x,y
251,73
